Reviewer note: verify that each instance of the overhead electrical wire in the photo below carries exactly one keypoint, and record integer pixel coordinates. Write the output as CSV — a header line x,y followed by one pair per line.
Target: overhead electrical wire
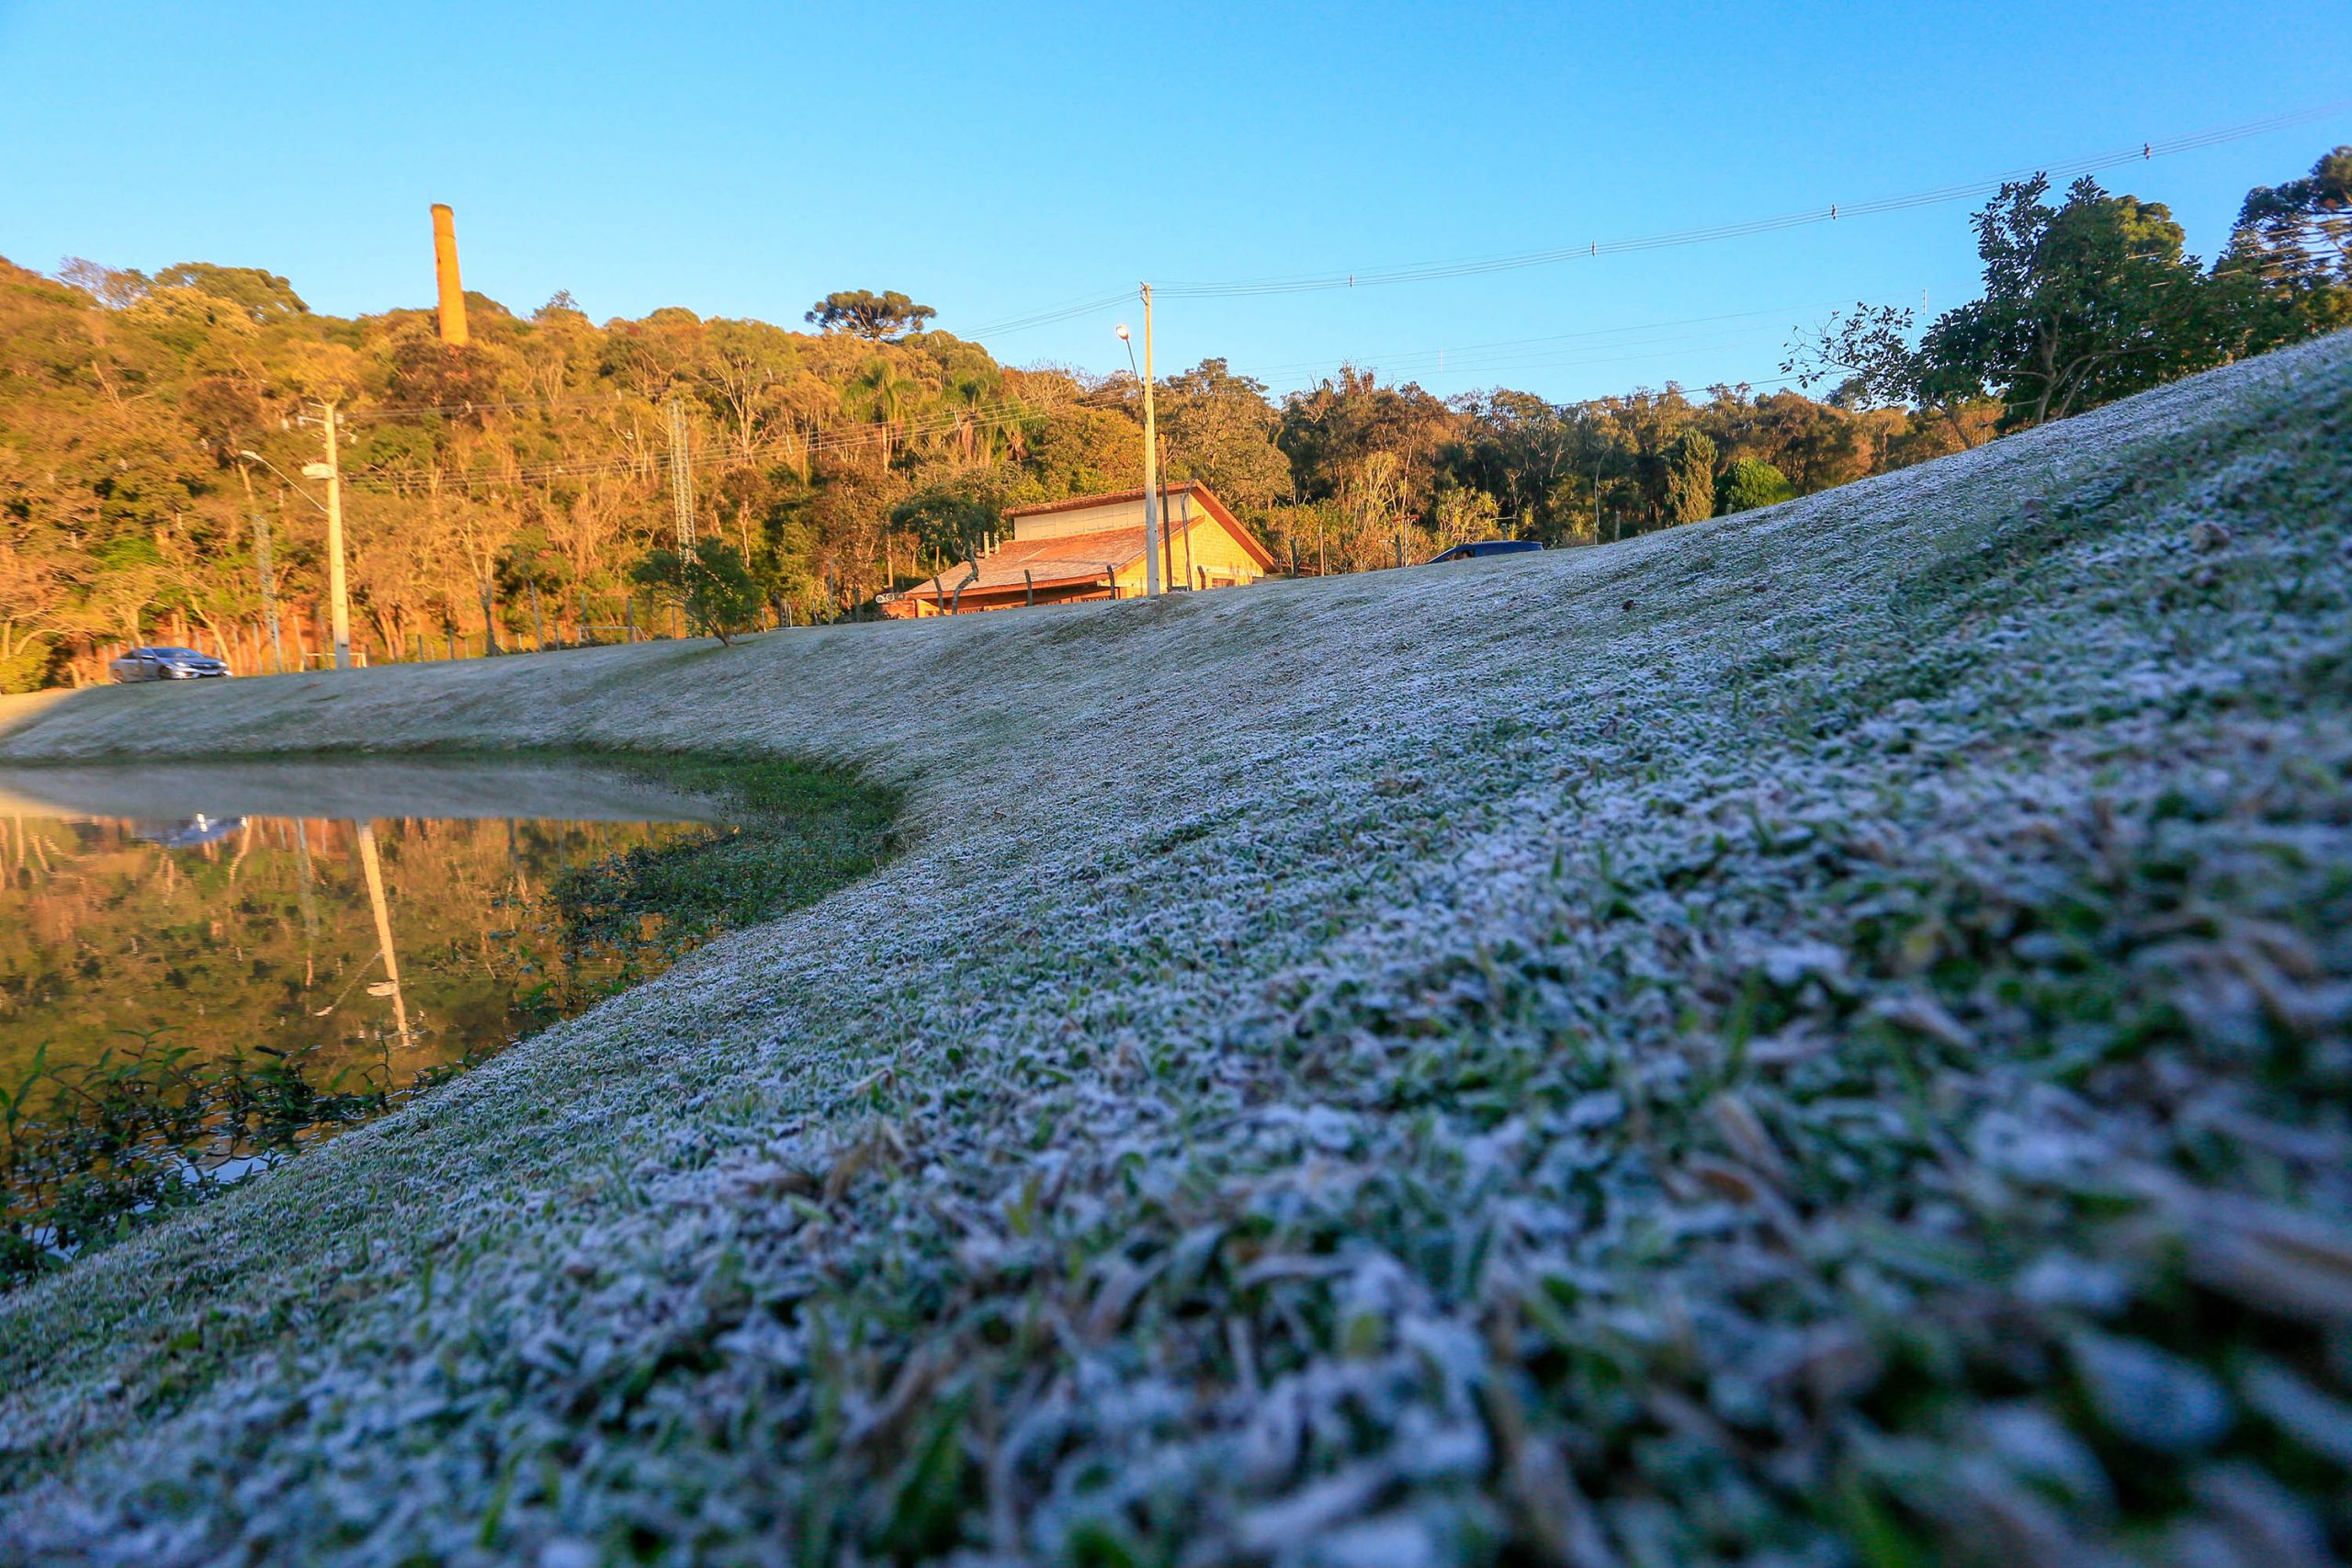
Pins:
x,y
1505,351
418,410
946,419
1546,351
1047,316
1493,354
1648,349
1415,272
1427,271
1466,351
1424,271
979,417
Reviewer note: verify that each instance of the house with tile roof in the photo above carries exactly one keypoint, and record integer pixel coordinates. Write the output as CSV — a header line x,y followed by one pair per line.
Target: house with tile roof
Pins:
x,y
1090,546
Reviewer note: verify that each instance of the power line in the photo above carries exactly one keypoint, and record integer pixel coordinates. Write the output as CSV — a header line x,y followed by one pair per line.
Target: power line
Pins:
x,y
1426,271
1047,315
644,464
613,400
1497,351
815,440
1660,349
1510,352
1416,271
1500,354
986,412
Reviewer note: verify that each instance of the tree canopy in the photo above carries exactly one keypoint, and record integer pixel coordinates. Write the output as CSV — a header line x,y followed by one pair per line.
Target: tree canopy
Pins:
x,y
709,584
1688,476
2094,298
1748,483
861,312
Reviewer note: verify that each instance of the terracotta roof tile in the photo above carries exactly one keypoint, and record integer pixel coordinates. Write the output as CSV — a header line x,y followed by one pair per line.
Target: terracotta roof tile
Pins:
x,y
1081,557
1107,498
1078,558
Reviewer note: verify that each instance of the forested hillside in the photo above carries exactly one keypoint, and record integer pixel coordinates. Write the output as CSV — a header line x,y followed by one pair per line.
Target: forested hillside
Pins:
x,y
148,426
536,457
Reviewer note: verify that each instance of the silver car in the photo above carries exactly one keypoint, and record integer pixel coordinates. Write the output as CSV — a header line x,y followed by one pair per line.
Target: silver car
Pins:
x,y
194,833
166,664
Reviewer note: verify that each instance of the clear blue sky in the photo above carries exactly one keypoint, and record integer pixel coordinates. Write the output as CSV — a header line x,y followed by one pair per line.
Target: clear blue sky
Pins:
x,y
743,160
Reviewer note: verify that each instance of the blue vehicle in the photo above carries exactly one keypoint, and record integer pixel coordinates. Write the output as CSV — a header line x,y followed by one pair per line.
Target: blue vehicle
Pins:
x,y
166,664
194,833
1482,548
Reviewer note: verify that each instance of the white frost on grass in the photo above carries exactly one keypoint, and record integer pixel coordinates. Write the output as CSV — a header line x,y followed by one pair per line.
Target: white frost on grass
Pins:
x,y
1816,1028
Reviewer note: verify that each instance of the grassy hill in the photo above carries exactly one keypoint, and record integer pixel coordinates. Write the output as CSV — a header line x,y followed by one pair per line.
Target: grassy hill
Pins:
x,y
1816,1037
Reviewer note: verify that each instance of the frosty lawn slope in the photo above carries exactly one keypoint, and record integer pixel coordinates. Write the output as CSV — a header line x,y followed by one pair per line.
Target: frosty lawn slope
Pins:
x,y
1823,1032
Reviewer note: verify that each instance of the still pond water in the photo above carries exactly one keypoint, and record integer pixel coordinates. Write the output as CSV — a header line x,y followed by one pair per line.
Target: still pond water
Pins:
x,y
203,968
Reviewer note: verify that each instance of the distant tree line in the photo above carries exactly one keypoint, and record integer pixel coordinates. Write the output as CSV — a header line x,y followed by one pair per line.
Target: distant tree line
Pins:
x,y
515,493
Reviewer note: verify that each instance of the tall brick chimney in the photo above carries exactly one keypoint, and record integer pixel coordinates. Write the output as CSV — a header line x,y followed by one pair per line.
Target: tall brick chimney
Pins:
x,y
445,271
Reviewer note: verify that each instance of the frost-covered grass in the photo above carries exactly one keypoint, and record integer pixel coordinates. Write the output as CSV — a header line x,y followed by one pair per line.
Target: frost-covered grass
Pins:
x,y
1817,1038
795,834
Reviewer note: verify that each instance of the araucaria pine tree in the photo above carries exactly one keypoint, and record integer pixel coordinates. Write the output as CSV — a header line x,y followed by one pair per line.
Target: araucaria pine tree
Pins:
x,y
1689,477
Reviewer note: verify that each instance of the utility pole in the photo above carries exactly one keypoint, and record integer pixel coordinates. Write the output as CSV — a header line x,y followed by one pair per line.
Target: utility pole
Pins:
x,y
1184,515
338,593
268,564
373,866
264,568
1151,518
1168,533
681,477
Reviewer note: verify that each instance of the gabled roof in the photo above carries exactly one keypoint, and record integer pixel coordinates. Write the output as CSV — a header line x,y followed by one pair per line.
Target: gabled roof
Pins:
x,y
1206,497
1083,557
1075,558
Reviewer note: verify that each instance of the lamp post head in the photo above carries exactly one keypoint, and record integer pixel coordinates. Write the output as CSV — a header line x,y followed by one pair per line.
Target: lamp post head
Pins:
x,y
1123,332
250,457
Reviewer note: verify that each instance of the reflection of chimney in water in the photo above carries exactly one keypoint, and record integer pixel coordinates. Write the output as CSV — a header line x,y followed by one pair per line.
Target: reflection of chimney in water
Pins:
x,y
444,272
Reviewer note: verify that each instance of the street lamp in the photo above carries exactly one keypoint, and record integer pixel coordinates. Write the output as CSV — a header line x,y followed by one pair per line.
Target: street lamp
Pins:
x,y
1151,450
306,495
1127,339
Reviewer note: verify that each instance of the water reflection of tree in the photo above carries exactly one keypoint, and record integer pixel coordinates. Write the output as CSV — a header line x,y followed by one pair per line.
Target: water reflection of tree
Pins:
x,y
218,965
101,932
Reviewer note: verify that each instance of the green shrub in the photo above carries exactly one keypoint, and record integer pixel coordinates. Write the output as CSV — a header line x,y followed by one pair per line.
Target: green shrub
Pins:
x,y
1750,483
